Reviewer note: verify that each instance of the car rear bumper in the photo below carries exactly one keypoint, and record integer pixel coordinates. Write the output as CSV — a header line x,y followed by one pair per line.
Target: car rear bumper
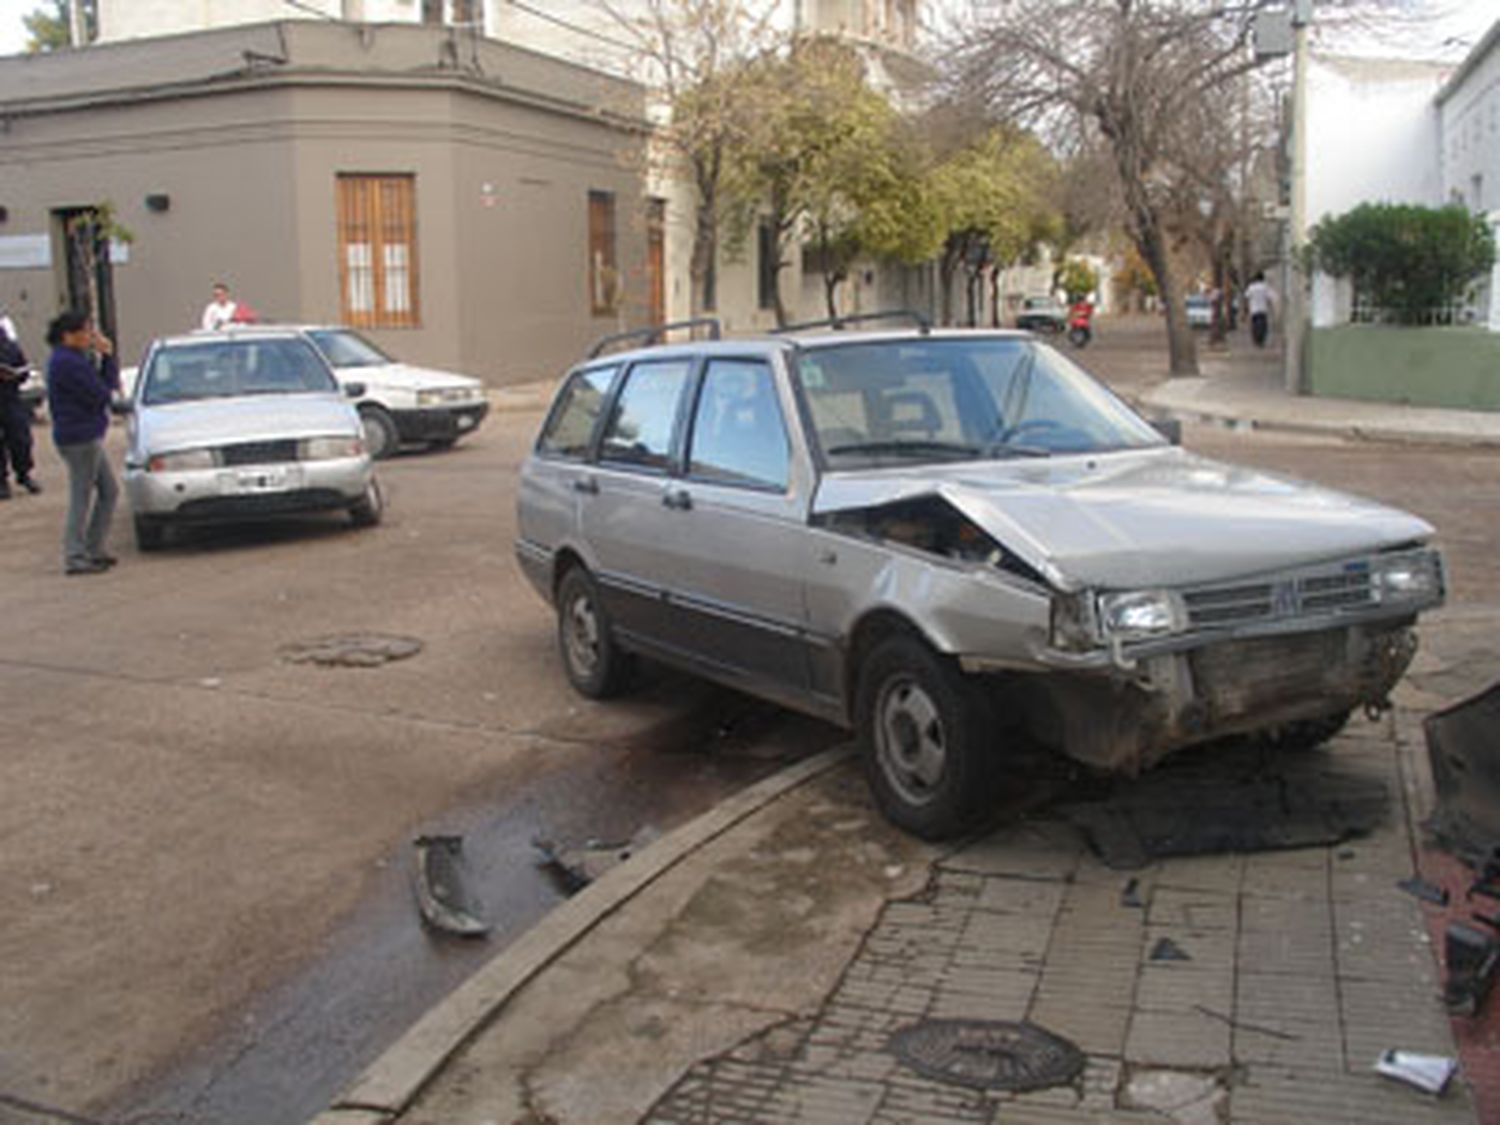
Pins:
x,y
444,423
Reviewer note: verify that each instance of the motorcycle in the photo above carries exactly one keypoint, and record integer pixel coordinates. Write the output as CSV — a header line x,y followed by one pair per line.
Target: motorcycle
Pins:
x,y
1080,326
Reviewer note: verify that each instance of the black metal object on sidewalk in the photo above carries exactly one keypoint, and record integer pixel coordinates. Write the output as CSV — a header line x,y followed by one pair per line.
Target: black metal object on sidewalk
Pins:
x,y
988,1054
1463,745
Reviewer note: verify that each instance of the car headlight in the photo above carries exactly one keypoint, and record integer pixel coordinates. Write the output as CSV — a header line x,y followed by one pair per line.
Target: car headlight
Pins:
x,y
448,396
329,448
1130,614
1411,576
183,460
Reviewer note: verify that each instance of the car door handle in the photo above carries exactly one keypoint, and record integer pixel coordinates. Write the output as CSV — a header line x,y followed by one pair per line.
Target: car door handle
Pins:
x,y
677,498
586,485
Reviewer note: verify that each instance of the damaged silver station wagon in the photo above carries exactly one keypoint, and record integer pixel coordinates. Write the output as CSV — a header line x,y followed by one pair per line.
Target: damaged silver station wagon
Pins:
x,y
954,541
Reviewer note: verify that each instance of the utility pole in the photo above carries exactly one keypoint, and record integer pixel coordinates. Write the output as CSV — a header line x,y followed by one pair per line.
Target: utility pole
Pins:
x,y
77,36
1294,311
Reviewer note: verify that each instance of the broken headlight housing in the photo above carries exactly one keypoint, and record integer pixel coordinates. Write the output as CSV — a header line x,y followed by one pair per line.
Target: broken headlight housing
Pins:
x,y
1090,619
1411,576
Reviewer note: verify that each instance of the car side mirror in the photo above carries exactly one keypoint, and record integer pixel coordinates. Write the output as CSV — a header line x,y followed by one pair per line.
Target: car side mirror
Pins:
x,y
354,390
1169,428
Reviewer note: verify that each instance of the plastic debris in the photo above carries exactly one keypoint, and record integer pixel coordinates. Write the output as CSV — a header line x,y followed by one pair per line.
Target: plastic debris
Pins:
x,y
1428,1073
1422,889
1168,950
446,902
1131,895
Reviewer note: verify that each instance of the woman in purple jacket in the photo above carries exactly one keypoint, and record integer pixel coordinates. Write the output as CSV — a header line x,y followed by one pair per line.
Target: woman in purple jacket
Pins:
x,y
78,395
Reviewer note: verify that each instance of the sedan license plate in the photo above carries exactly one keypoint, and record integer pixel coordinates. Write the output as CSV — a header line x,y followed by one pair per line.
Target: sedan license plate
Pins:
x,y
251,481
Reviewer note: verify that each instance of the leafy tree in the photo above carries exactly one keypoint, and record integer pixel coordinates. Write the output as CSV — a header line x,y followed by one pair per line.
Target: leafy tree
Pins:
x,y
1416,262
1076,278
692,54
47,28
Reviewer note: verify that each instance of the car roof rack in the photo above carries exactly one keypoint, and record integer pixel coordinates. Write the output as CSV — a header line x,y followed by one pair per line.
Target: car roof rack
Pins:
x,y
655,333
838,323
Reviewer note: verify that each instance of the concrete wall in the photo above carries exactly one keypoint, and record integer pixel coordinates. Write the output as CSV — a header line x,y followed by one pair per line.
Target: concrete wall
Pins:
x,y
1457,368
1469,113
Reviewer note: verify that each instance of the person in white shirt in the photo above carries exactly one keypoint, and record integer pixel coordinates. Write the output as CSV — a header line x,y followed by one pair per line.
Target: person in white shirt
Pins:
x,y
1260,299
220,311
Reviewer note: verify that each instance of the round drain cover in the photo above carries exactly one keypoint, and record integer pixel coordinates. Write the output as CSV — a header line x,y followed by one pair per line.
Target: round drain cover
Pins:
x,y
352,650
988,1054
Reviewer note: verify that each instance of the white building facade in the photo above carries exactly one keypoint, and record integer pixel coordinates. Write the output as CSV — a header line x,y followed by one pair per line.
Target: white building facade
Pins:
x,y
1468,109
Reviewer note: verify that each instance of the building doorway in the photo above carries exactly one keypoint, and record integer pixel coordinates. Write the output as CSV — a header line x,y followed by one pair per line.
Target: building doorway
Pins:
x,y
656,258
86,274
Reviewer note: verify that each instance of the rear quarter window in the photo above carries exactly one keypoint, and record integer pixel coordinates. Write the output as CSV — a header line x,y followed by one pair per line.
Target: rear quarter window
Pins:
x,y
575,414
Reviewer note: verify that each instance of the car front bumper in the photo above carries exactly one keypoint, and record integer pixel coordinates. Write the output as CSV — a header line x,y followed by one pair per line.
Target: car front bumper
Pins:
x,y
247,491
439,423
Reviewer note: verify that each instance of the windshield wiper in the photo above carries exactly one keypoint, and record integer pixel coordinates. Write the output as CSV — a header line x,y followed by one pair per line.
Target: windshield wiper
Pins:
x,y
905,447
1002,449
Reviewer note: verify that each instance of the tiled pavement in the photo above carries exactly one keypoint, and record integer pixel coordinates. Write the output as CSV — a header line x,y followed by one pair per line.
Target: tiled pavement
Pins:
x,y
1304,965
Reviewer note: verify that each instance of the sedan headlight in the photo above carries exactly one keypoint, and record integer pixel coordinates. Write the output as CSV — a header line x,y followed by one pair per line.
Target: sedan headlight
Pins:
x,y
449,396
1412,576
1130,614
329,448
184,460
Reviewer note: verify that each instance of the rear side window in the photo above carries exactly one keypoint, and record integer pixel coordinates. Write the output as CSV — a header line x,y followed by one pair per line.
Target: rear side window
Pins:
x,y
739,435
640,432
572,423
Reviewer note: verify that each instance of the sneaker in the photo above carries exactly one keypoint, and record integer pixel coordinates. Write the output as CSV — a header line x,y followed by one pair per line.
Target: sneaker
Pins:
x,y
90,567
106,561
29,485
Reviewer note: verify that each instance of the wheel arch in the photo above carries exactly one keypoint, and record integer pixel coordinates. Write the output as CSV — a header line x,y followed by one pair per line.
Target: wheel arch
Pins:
x,y
873,628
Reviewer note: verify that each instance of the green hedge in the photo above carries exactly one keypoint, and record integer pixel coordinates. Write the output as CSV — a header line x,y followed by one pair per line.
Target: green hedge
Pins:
x,y
1457,368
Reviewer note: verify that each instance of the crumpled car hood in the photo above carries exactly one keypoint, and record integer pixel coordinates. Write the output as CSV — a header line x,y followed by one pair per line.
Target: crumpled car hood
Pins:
x,y
1160,517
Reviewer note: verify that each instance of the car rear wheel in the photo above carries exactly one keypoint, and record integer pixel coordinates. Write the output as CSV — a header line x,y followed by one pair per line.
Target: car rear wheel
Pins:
x,y
924,735
369,508
596,666
149,536
381,437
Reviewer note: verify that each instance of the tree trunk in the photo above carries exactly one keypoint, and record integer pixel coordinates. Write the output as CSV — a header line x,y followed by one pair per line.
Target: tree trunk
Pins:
x,y
995,297
831,282
703,299
947,269
1219,333
1182,349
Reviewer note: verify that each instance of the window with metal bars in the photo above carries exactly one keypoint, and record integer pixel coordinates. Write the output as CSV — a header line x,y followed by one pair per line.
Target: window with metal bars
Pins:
x,y
604,275
377,228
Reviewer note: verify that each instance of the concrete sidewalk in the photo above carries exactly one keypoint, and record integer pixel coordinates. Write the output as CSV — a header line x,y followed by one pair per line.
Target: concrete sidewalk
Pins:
x,y
1243,389
753,966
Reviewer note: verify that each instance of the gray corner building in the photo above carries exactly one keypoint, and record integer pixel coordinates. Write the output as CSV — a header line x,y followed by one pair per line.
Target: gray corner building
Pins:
x,y
468,203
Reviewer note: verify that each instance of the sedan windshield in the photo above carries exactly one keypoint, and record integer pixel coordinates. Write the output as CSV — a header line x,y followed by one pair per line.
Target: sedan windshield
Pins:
x,y
232,368
343,348
952,399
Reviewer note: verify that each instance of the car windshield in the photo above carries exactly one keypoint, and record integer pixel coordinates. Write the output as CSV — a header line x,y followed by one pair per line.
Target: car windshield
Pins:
x,y
232,368
343,348
925,400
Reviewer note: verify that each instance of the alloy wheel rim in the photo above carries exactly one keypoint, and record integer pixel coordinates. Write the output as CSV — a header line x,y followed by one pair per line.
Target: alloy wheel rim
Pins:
x,y
910,741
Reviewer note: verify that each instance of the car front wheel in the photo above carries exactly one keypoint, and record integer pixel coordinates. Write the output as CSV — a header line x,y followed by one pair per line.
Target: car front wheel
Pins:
x,y
381,436
596,666
925,739
369,508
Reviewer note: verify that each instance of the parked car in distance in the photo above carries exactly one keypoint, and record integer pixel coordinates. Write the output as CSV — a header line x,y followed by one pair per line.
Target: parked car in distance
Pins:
x,y
241,425
401,404
1200,310
1042,314
956,543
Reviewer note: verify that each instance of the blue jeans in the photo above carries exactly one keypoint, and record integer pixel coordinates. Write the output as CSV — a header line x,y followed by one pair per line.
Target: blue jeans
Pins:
x,y
92,493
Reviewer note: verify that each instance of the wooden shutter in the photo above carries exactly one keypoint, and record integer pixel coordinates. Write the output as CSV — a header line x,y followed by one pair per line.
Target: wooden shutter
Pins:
x,y
377,247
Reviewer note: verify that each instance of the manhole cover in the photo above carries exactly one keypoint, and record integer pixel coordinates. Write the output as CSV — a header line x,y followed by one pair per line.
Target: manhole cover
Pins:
x,y
352,650
988,1054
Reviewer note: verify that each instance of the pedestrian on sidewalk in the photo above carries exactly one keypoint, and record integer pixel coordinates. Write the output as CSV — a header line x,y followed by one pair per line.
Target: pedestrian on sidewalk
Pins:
x,y
1260,299
15,415
78,396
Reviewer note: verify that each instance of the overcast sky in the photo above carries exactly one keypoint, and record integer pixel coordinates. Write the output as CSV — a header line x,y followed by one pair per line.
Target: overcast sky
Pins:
x,y
1461,20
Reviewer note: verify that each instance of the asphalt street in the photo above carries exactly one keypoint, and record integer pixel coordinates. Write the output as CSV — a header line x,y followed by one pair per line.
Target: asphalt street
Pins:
x,y
205,855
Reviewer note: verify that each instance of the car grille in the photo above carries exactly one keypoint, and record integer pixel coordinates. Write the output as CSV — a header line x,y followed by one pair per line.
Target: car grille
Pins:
x,y
259,452
1319,592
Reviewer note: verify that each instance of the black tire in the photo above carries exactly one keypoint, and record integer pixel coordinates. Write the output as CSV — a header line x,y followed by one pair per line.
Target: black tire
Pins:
x,y
368,509
149,535
596,666
1304,734
442,443
926,739
1080,337
381,436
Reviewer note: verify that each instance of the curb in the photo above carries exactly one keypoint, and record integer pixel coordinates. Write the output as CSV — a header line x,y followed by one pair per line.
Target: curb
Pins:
x,y
1245,423
389,1086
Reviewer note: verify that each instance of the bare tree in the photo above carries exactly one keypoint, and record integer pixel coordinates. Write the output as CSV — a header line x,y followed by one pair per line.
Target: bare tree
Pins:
x,y
1137,75
691,54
